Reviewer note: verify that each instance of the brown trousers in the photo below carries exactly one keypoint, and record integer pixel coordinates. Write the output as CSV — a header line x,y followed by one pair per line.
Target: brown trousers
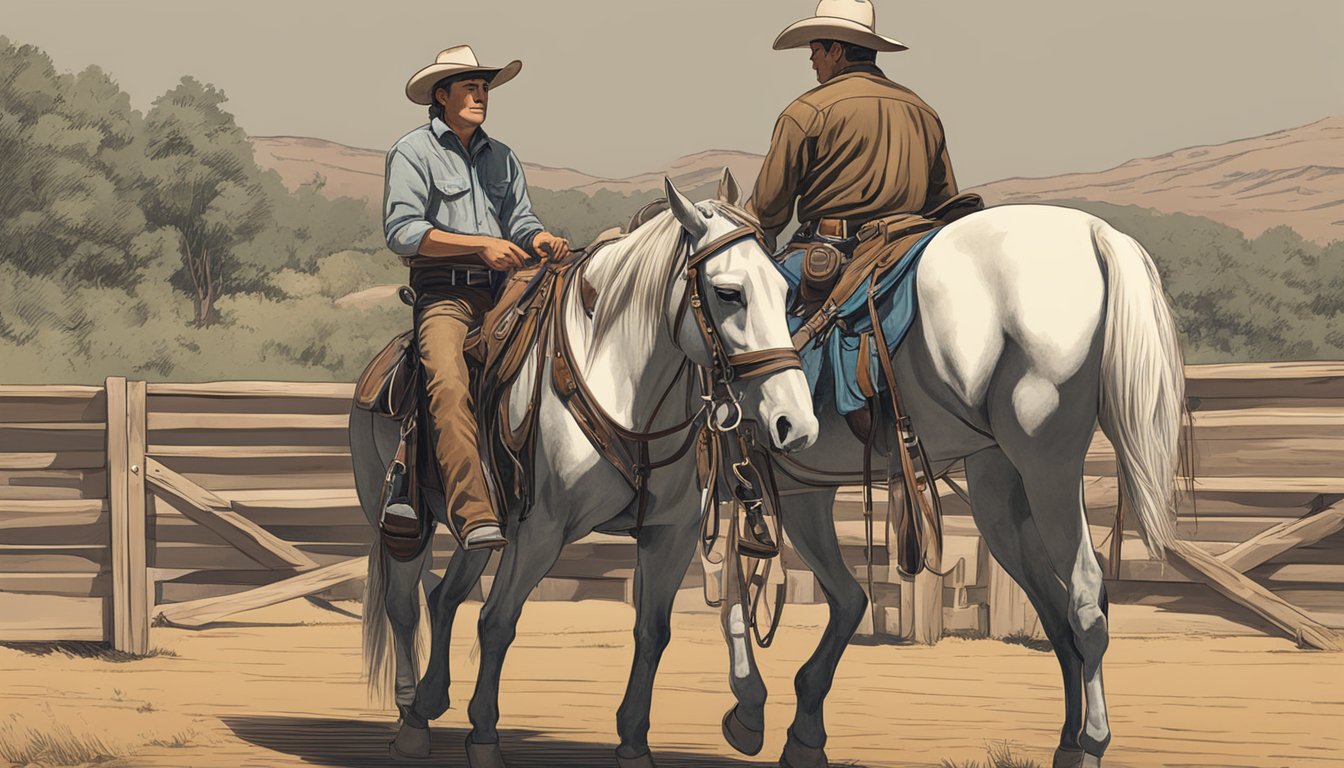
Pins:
x,y
443,327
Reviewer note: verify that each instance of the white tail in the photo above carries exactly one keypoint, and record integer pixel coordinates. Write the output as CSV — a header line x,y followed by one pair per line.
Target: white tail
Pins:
x,y
1142,386
378,667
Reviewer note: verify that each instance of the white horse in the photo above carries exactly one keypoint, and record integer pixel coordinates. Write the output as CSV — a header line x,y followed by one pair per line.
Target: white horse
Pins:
x,y
630,354
1034,322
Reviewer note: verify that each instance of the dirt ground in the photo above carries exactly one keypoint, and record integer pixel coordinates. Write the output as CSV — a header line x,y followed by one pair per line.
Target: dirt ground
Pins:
x,y
281,687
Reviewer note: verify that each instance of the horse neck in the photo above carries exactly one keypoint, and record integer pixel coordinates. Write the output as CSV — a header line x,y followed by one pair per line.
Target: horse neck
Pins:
x,y
628,375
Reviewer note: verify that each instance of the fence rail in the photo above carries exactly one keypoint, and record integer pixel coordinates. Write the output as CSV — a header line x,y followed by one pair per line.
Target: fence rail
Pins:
x,y
192,501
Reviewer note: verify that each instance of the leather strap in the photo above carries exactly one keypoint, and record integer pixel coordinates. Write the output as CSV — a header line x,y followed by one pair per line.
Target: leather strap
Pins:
x,y
751,365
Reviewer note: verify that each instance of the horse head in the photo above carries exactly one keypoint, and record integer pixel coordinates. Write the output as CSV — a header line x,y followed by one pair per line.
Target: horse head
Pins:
x,y
743,299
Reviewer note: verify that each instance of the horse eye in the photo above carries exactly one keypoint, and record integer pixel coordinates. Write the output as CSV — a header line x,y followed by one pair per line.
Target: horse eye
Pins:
x,y
729,295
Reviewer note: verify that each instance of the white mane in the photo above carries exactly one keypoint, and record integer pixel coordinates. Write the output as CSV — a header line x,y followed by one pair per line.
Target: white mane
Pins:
x,y
633,277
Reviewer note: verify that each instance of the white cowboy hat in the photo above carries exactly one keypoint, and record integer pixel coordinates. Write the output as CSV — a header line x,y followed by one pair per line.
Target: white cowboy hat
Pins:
x,y
849,21
454,61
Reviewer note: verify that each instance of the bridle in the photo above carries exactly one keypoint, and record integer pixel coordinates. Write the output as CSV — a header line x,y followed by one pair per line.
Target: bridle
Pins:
x,y
628,449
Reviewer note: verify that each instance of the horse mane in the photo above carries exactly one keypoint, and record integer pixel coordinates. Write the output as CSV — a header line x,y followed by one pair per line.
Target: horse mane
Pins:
x,y
634,275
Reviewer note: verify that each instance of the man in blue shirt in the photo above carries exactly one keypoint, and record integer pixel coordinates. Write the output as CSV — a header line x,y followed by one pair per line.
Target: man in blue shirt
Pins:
x,y
456,209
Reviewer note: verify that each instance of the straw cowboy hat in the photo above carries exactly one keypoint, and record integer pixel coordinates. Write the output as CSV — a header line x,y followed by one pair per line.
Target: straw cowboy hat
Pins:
x,y
849,21
455,61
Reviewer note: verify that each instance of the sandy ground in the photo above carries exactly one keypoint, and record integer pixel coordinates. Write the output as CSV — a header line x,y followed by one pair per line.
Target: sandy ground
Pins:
x,y
281,687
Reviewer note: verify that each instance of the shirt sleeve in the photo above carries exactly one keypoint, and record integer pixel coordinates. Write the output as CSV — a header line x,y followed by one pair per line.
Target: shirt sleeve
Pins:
x,y
520,223
776,187
405,204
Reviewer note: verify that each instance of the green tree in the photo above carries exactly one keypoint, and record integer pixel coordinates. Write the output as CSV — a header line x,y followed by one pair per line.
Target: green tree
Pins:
x,y
68,146
200,180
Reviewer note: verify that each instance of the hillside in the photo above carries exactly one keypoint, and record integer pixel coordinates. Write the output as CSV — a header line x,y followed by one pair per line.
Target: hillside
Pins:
x,y
355,172
1293,177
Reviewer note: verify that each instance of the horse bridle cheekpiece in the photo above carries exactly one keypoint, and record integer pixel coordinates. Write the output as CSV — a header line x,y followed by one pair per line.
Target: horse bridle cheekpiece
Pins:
x,y
744,365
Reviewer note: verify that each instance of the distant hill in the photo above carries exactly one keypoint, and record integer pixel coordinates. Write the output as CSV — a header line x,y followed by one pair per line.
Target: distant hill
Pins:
x,y
1293,177
358,173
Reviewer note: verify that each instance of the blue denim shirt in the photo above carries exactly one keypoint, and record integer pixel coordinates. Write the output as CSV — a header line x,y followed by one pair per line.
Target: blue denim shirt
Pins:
x,y
433,182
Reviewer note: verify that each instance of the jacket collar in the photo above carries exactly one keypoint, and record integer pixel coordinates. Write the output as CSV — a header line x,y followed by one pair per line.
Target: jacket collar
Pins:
x,y
862,68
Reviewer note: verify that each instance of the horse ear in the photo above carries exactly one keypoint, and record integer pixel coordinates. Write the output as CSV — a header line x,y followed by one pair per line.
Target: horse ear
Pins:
x,y
691,220
729,192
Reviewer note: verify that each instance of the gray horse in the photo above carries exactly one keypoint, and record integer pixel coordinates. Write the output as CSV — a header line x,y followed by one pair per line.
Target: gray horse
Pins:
x,y
631,354
1034,322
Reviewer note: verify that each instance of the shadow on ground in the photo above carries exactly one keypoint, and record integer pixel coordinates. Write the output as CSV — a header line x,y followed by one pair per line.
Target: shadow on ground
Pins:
x,y
358,744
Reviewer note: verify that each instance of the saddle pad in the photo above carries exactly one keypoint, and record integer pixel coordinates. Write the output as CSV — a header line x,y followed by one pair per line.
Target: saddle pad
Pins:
x,y
831,361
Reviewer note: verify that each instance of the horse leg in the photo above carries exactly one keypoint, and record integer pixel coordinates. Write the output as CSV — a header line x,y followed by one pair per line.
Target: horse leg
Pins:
x,y
744,724
1002,514
403,611
663,556
809,525
1050,462
429,700
525,561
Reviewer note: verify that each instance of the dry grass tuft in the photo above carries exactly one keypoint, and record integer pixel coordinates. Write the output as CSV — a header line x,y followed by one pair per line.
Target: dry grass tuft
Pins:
x,y
999,755
178,741
1032,643
55,746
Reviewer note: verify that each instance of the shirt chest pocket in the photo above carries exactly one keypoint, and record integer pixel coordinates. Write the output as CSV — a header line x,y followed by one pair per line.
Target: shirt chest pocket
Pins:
x,y
452,202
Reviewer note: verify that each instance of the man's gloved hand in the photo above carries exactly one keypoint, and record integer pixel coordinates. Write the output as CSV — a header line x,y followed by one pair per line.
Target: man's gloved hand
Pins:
x,y
551,247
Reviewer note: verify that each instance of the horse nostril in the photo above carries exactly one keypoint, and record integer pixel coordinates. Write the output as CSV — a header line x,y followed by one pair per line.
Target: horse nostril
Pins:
x,y
782,427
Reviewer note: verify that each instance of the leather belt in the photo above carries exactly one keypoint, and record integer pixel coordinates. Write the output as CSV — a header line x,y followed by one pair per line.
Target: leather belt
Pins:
x,y
466,277
839,229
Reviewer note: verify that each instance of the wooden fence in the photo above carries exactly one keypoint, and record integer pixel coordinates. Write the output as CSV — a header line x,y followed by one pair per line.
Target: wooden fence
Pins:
x,y
192,502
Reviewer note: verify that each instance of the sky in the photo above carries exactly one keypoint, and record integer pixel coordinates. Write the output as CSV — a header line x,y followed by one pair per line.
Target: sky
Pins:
x,y
618,87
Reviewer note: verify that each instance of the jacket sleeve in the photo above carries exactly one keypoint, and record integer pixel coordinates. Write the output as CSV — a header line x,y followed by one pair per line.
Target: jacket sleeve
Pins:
x,y
405,204
942,182
520,223
776,187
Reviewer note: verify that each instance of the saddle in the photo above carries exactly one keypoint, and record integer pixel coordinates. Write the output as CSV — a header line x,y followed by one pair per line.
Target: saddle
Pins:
x,y
830,279
496,350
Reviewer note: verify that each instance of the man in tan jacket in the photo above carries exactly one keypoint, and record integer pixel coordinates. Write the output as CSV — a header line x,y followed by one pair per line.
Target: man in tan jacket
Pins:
x,y
858,146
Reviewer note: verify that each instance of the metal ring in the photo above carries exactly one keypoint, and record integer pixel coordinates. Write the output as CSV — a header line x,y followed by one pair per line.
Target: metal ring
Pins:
x,y
737,417
736,467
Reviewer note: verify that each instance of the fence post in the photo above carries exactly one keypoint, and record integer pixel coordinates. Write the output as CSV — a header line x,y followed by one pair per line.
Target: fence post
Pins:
x,y
126,494
1010,612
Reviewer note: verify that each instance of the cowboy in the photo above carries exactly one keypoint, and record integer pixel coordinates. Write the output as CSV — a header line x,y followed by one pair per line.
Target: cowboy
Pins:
x,y
858,146
456,209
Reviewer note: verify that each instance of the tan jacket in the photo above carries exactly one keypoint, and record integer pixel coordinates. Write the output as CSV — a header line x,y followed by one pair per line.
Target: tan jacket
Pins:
x,y
857,146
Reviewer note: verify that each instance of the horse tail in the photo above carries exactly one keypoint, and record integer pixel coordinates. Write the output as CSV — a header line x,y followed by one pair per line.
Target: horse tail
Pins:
x,y
1142,386
378,667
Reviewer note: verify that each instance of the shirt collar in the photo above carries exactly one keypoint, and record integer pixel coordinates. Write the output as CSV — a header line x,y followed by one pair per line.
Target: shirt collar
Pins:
x,y
479,140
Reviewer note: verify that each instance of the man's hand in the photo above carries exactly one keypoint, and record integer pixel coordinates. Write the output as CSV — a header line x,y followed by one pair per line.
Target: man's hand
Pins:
x,y
502,254
551,247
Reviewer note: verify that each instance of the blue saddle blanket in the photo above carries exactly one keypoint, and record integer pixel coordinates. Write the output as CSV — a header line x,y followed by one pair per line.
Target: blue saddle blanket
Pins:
x,y
831,360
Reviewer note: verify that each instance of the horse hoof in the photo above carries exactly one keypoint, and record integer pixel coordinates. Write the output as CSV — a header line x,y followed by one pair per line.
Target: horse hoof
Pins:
x,y
410,742
484,755
1075,758
739,736
799,755
643,761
